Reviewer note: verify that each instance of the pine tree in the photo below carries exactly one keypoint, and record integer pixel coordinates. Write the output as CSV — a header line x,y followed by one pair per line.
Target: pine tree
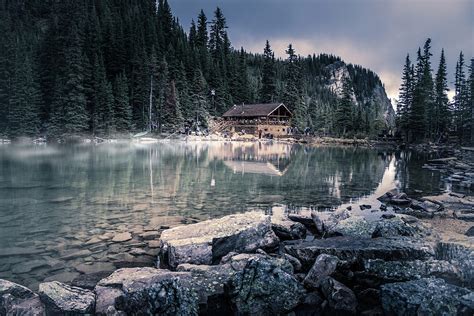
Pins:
x,y
417,113
343,115
291,96
441,117
471,99
405,98
172,115
122,110
202,35
199,97
193,34
69,115
427,87
25,99
268,89
460,99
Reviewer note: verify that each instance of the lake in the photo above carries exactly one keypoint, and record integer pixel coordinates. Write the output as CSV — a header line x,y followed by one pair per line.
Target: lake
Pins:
x,y
67,211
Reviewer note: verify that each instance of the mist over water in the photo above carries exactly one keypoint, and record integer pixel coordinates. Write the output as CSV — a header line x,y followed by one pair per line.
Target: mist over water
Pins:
x,y
60,206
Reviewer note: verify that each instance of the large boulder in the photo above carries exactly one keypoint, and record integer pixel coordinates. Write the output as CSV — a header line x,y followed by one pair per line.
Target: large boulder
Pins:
x,y
61,299
265,287
325,265
426,297
207,242
341,299
146,291
350,248
16,299
399,226
381,271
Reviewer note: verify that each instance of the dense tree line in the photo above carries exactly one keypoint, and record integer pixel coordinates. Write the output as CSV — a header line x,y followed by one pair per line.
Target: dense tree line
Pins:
x,y
425,112
113,66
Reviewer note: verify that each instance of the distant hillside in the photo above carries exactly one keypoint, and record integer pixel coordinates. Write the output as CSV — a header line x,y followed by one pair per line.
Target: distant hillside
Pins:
x,y
105,67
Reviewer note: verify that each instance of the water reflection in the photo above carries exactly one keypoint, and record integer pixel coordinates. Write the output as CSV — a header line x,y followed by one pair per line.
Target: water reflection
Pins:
x,y
61,206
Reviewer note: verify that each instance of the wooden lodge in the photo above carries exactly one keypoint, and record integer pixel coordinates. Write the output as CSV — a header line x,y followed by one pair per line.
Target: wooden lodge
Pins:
x,y
262,120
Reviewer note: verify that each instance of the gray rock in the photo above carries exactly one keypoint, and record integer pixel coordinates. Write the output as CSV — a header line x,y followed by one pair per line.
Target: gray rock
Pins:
x,y
345,248
341,299
19,300
461,255
470,232
327,223
425,297
356,226
294,262
304,219
288,230
397,271
88,281
207,242
265,287
61,299
208,283
145,291
396,226
325,265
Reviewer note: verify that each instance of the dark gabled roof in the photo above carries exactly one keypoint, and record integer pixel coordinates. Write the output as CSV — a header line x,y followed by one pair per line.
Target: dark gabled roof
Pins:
x,y
253,110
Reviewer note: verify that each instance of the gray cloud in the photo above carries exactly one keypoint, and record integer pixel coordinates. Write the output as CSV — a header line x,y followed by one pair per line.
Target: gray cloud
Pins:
x,y
374,33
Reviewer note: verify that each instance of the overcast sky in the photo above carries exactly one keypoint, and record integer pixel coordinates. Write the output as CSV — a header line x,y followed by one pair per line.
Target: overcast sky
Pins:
x,y
376,34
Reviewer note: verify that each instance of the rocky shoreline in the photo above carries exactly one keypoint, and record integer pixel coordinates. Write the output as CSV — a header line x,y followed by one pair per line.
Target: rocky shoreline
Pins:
x,y
316,263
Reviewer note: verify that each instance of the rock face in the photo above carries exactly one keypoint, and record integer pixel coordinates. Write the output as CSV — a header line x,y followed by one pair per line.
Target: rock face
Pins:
x,y
401,248
19,300
265,287
426,297
376,99
63,299
145,291
207,242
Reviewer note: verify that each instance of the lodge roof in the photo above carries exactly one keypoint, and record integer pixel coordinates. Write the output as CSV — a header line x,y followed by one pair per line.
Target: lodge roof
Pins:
x,y
254,110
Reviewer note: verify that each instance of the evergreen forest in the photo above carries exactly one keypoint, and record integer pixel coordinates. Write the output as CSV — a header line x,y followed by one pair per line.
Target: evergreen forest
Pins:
x,y
112,67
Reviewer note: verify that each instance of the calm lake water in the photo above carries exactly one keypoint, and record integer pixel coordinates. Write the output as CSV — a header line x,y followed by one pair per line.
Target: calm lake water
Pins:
x,y
62,206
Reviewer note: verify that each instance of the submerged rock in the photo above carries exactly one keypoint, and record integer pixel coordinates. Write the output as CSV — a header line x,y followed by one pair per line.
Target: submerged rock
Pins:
x,y
145,291
207,242
426,297
61,299
16,299
400,248
265,287
121,237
